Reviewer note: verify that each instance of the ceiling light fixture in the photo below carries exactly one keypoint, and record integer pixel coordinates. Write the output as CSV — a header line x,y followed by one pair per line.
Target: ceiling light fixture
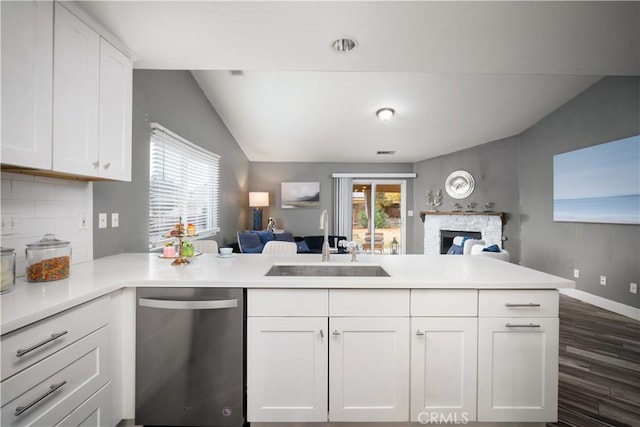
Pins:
x,y
344,45
386,152
385,114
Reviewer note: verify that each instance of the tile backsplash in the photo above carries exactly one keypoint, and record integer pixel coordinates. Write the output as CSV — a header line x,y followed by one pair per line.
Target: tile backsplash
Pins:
x,y
47,205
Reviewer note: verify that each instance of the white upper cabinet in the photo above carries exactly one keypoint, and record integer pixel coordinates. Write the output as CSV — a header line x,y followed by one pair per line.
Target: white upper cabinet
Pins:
x,y
66,95
76,88
27,78
116,76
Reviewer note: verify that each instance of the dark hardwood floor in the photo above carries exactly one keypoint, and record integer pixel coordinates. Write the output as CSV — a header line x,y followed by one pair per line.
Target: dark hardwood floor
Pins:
x,y
599,378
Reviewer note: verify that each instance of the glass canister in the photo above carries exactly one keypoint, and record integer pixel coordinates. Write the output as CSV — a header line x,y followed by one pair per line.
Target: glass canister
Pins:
x,y
48,259
7,270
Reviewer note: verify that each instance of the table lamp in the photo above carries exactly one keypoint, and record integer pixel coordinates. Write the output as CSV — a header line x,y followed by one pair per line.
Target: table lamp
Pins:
x,y
258,200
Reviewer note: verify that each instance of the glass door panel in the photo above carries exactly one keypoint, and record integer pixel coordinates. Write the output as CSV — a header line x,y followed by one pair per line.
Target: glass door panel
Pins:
x,y
377,220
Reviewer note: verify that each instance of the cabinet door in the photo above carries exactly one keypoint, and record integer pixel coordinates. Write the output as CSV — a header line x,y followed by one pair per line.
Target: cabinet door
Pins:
x,y
27,79
94,412
75,95
116,79
517,369
443,368
287,369
369,369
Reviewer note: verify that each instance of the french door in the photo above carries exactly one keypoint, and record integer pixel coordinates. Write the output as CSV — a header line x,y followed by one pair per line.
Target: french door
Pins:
x,y
378,222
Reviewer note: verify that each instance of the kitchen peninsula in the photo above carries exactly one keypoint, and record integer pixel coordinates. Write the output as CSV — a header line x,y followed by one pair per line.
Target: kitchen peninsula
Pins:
x,y
493,325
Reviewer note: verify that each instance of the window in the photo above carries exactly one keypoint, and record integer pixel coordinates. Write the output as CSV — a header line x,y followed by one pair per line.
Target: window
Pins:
x,y
184,181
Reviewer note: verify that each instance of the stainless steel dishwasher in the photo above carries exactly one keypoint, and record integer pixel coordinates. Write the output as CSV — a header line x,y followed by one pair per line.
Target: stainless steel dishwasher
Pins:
x,y
190,349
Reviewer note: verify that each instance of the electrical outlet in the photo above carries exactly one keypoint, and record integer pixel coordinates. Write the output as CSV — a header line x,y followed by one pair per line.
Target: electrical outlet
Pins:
x,y
82,222
633,288
9,224
115,220
603,280
409,213
102,220
576,273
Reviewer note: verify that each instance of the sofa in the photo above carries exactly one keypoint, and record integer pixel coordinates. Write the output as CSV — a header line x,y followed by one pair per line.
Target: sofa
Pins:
x,y
253,241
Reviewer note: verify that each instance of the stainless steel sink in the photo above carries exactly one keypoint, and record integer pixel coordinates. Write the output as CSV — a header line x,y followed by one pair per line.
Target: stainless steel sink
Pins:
x,y
349,270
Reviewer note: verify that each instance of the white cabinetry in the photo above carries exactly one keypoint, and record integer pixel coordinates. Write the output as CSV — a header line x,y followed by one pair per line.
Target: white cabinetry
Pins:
x,y
63,376
27,79
91,102
66,95
443,355
518,356
287,361
369,369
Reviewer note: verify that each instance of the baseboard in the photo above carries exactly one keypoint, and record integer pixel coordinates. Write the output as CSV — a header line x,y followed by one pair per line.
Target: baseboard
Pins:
x,y
616,307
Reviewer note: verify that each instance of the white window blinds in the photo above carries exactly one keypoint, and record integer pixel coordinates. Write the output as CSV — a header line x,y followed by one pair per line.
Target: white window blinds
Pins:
x,y
184,181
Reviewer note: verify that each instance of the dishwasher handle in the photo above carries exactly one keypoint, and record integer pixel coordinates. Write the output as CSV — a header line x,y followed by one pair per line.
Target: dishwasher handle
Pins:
x,y
188,305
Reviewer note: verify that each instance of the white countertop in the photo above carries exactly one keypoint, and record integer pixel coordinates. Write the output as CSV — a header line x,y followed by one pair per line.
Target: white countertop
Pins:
x,y
30,302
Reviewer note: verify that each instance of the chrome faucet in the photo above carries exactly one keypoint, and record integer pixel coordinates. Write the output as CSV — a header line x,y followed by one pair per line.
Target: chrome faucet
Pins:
x,y
324,225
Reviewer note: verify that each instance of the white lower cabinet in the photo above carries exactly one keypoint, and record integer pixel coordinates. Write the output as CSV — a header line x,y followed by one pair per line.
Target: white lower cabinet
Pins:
x,y
517,369
443,369
369,369
287,369
94,412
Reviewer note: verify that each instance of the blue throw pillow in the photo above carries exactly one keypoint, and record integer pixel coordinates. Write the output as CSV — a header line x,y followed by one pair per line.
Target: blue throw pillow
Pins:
x,y
265,236
302,246
455,250
492,248
284,237
247,241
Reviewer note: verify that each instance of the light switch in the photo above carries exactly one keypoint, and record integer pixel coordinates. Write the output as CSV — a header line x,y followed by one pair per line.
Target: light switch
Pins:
x,y
115,220
102,220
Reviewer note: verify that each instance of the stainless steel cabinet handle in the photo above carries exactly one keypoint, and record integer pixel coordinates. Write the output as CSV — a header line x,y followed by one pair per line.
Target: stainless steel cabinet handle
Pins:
x,y
321,333
106,165
188,305
52,388
96,164
529,304
336,332
419,332
54,336
516,325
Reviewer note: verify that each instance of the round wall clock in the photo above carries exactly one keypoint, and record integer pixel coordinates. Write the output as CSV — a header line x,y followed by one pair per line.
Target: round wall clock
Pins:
x,y
460,184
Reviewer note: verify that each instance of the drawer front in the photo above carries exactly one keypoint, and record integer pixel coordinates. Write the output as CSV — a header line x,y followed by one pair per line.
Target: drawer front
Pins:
x,y
94,412
53,333
287,302
512,303
48,391
444,302
369,302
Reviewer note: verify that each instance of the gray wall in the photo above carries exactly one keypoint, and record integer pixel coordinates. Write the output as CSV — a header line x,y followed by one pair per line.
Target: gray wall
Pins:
x,y
173,99
607,111
267,176
494,167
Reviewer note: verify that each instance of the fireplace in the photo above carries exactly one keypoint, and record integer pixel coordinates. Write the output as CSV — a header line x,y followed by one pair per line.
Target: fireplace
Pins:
x,y
484,225
446,238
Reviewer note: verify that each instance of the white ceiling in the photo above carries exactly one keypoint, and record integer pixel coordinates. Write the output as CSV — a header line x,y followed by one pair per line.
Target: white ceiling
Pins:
x,y
458,74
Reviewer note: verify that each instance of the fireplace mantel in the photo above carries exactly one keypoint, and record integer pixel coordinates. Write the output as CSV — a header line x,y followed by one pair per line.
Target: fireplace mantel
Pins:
x,y
423,213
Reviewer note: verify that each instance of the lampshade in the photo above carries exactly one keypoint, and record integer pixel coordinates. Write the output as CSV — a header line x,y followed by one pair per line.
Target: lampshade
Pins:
x,y
258,199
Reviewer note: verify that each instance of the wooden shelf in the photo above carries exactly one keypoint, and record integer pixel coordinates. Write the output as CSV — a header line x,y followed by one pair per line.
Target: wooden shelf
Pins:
x,y
423,213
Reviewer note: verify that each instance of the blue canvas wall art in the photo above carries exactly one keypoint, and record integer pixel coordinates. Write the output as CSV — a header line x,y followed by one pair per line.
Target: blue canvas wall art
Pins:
x,y
598,184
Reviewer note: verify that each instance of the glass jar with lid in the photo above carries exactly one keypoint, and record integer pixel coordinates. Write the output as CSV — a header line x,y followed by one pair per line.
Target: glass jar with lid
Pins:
x,y
7,270
48,259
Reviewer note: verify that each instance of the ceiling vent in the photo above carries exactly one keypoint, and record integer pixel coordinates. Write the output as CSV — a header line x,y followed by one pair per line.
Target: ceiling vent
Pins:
x,y
237,72
386,152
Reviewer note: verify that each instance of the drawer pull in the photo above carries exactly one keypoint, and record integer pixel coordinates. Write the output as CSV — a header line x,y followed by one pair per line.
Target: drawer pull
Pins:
x,y
52,388
516,325
336,332
54,336
419,332
530,304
